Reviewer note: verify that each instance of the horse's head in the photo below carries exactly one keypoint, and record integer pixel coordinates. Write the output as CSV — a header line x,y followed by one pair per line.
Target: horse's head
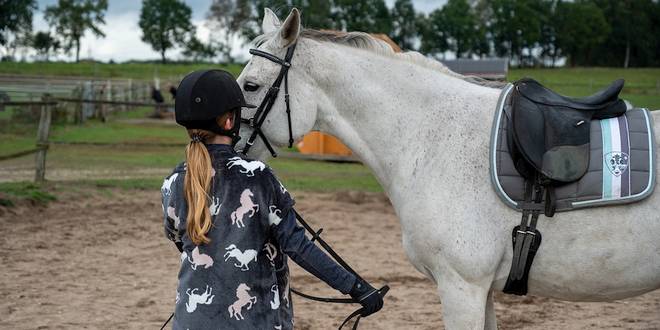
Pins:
x,y
258,77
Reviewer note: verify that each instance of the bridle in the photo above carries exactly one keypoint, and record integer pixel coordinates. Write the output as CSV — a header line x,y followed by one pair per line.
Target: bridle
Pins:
x,y
267,103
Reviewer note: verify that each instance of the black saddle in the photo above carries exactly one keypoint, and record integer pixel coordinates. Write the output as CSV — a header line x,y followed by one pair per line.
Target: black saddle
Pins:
x,y
550,133
549,137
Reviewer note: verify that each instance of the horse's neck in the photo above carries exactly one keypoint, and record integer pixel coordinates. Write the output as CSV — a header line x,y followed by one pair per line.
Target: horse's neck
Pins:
x,y
398,116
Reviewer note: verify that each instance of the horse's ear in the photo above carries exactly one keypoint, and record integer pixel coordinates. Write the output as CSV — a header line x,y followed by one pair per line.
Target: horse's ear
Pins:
x,y
270,23
290,29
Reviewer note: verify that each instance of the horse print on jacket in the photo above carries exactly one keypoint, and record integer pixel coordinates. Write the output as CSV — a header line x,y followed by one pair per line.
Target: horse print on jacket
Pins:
x,y
202,299
244,298
271,252
214,209
275,303
200,259
274,215
171,213
243,258
247,206
248,167
166,188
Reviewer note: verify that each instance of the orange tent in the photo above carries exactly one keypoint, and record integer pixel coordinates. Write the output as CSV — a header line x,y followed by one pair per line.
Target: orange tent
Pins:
x,y
326,144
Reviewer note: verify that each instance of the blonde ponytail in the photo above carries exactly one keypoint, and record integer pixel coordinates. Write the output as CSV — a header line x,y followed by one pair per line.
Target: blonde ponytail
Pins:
x,y
196,185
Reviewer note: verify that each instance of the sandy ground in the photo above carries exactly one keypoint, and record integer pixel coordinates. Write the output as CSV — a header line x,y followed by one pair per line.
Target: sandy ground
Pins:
x,y
99,260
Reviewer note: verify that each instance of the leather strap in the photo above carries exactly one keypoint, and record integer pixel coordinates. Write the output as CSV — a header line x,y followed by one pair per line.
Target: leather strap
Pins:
x,y
269,100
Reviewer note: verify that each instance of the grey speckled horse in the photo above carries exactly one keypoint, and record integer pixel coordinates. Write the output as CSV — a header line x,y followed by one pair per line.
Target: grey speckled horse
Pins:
x,y
424,132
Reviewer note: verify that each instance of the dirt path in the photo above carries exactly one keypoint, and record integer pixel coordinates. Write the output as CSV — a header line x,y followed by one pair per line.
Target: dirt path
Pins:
x,y
100,261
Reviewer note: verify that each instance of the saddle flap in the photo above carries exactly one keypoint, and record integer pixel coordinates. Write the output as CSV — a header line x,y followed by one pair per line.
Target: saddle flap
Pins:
x,y
554,140
538,93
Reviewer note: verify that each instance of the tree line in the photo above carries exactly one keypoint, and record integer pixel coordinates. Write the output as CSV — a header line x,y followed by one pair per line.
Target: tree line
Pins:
x,y
528,32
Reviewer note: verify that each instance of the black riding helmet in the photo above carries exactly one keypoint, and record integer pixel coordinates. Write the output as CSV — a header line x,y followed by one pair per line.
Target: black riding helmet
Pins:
x,y
204,95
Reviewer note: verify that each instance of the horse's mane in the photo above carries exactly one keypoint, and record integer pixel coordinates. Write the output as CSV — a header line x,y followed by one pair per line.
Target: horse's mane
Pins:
x,y
365,41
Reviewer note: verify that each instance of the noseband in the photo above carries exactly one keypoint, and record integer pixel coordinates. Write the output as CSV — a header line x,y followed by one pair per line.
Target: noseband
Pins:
x,y
271,96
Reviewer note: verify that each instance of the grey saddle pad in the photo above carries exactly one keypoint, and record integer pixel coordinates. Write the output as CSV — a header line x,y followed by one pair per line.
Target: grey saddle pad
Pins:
x,y
621,168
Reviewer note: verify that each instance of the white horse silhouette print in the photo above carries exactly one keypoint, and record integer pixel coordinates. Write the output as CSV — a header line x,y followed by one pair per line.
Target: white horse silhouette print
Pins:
x,y
275,303
282,187
200,259
184,256
248,167
167,184
271,252
178,298
243,258
244,298
202,299
274,215
214,209
171,212
247,206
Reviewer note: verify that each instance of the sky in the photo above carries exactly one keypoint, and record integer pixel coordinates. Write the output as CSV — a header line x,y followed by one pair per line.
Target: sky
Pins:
x,y
123,35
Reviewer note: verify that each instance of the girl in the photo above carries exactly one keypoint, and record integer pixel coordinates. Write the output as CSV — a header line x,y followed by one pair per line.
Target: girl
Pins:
x,y
233,222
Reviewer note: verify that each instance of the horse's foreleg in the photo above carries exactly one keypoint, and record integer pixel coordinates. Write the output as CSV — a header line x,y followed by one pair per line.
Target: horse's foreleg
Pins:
x,y
463,303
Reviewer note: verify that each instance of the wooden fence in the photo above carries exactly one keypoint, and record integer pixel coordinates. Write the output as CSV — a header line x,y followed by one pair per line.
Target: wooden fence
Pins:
x,y
47,104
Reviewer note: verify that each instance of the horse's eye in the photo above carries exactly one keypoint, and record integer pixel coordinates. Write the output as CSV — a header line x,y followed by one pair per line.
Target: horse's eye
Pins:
x,y
250,87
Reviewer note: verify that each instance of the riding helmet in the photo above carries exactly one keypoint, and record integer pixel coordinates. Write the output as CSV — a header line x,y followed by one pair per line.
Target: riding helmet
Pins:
x,y
204,95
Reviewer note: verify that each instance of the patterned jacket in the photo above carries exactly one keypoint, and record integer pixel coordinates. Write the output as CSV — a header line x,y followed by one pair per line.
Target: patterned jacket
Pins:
x,y
240,280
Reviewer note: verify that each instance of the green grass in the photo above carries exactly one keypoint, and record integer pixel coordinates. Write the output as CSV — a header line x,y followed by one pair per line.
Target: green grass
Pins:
x,y
24,190
140,71
641,86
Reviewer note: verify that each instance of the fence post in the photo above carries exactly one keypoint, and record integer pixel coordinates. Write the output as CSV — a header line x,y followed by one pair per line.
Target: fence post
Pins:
x,y
42,141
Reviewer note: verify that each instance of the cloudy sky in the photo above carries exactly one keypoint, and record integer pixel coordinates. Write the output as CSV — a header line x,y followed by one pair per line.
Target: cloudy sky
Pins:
x,y
122,40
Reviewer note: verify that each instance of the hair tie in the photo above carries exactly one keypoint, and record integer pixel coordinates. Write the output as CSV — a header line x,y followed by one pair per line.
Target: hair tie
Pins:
x,y
196,138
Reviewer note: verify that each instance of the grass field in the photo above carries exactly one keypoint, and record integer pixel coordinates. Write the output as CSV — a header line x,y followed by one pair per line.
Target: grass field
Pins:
x,y
641,89
143,71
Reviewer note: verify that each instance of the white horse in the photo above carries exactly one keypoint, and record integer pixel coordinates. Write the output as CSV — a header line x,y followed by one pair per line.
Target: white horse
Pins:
x,y
424,131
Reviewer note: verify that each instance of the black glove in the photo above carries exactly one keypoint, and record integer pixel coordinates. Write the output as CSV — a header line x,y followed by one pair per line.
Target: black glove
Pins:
x,y
367,296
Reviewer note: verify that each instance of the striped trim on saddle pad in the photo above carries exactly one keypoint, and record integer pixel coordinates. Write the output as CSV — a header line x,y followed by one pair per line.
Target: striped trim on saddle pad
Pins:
x,y
621,168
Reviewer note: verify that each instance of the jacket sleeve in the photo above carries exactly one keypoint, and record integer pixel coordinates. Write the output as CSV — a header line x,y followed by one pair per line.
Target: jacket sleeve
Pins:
x,y
292,240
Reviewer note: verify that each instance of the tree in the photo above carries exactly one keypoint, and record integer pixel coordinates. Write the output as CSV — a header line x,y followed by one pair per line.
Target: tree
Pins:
x,y
582,26
363,15
198,51
165,24
316,14
515,26
15,23
454,27
404,24
228,16
72,18
45,44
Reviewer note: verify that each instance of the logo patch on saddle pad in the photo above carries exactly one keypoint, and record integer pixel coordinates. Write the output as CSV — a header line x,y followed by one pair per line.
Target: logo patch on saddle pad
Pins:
x,y
617,162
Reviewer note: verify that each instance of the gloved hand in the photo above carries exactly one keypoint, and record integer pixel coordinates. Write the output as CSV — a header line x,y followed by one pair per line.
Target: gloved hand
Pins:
x,y
367,296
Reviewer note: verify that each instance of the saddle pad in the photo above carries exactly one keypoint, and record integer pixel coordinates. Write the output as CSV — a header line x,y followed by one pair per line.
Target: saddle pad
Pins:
x,y
621,168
